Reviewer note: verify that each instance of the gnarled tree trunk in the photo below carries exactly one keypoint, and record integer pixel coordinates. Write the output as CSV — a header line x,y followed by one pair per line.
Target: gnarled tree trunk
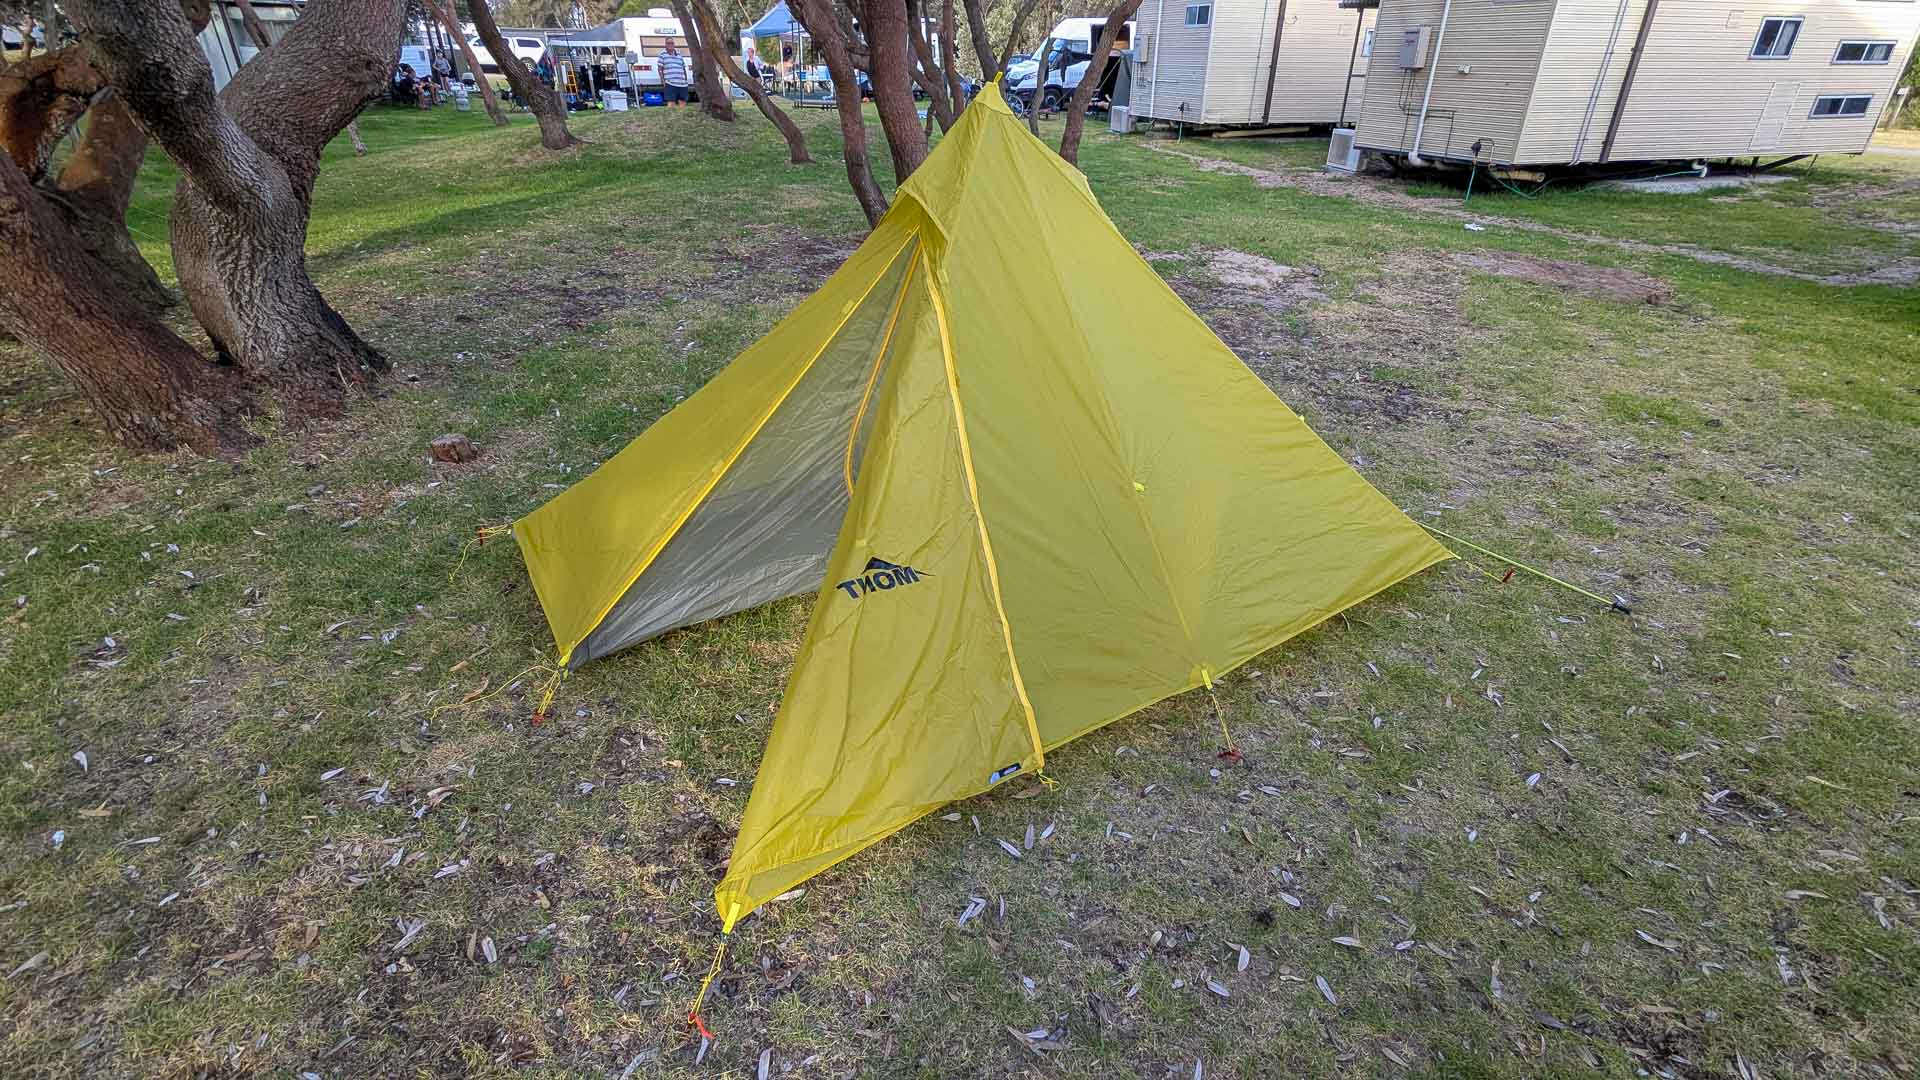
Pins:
x,y
248,161
824,28
150,389
549,108
710,34
93,192
41,101
1096,70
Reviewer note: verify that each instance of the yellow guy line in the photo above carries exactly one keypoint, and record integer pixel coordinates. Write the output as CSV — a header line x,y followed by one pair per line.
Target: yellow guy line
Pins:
x,y
879,357
727,465
973,494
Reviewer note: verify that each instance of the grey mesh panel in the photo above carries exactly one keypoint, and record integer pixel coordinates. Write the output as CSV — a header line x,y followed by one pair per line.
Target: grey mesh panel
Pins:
x,y
766,529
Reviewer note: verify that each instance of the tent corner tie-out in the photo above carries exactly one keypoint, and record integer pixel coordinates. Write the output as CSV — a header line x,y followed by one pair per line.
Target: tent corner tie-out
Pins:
x,y
1027,500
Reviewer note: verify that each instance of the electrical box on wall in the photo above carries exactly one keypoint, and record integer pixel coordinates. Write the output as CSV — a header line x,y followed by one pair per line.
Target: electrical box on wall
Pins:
x,y
1413,48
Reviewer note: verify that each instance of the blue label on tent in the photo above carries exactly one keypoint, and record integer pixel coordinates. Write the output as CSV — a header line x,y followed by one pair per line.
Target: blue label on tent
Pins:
x,y
1002,774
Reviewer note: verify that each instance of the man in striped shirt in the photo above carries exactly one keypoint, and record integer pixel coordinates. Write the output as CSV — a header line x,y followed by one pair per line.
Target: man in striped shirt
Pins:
x,y
673,76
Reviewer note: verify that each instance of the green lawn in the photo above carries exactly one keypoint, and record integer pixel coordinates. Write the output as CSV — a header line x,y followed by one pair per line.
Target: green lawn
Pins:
x,y
1716,865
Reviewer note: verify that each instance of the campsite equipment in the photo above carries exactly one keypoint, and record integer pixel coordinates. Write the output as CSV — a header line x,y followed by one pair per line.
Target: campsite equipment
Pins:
x,y
1028,505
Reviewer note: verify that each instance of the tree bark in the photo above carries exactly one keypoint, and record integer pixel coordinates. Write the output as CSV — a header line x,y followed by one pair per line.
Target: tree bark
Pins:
x,y
93,192
443,9
790,131
821,24
150,389
889,71
249,159
1096,70
549,108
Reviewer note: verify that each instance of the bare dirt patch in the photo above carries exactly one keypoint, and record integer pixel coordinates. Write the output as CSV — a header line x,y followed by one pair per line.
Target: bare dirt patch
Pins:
x,y
1600,282
1375,357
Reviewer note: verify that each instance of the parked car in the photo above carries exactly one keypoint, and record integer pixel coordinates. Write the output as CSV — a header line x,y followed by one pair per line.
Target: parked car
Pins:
x,y
527,49
10,37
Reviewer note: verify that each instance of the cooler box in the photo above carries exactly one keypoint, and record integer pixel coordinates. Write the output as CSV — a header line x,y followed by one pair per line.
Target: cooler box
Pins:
x,y
614,100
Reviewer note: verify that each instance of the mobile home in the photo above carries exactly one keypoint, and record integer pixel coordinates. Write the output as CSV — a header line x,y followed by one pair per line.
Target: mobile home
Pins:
x,y
1583,82
1237,62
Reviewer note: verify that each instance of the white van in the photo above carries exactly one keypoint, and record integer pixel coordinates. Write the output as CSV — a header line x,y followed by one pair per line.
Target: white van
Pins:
x,y
1078,36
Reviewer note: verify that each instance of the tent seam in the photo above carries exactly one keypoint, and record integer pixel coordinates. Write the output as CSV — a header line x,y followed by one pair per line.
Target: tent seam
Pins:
x,y
879,357
979,516
727,466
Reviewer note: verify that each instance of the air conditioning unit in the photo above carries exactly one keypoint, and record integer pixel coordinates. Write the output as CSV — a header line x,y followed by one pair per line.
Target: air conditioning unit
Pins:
x,y
1413,48
1342,155
1120,120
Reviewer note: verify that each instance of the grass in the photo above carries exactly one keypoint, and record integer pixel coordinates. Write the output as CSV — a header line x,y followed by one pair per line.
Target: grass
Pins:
x,y
1730,774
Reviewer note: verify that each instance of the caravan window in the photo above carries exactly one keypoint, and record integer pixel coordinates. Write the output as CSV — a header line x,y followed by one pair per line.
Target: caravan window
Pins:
x,y
1366,44
1840,105
1776,38
1863,52
1199,14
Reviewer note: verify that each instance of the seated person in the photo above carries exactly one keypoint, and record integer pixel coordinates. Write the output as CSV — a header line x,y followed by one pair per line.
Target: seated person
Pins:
x,y
406,85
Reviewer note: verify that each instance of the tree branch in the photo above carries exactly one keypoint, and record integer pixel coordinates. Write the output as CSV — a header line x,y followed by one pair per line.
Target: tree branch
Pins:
x,y
148,53
982,40
1013,33
1095,74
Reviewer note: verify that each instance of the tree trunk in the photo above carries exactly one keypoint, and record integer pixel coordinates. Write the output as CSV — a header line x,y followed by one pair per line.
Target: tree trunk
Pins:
x,y
549,108
248,160
982,40
444,10
353,132
714,99
950,60
818,18
93,191
889,70
41,100
150,389
1039,86
927,72
1096,69
790,131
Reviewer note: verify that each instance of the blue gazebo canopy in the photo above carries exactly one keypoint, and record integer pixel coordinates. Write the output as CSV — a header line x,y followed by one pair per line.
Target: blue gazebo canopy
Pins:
x,y
777,21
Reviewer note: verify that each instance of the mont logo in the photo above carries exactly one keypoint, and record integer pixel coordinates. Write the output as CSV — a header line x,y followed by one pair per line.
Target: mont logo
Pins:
x,y
879,576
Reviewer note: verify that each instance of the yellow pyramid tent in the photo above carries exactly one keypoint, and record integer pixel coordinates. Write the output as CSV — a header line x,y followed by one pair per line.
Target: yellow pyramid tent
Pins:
x,y
1026,508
